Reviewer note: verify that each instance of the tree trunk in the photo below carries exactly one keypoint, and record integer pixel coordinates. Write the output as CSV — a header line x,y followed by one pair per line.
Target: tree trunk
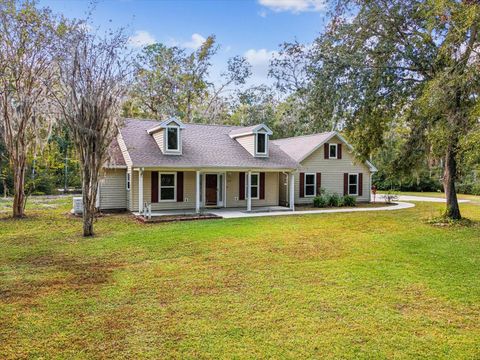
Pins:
x,y
89,195
19,189
449,177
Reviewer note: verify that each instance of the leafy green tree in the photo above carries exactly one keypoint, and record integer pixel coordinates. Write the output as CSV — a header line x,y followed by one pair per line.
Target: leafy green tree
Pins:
x,y
254,105
413,60
170,82
299,113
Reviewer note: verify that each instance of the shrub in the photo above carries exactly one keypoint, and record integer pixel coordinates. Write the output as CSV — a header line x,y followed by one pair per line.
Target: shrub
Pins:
x,y
468,188
349,200
334,200
320,201
390,197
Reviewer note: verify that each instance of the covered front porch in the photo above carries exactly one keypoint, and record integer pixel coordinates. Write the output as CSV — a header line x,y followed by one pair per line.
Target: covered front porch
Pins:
x,y
166,192
209,213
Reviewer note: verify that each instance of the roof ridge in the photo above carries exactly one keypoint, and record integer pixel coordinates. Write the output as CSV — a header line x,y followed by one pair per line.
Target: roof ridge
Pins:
x,y
195,124
222,125
303,136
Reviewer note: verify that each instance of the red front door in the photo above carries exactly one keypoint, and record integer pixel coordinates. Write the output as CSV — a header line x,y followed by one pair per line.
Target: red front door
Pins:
x,y
211,189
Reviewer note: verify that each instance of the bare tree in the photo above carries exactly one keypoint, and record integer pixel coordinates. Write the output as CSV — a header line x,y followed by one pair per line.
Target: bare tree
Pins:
x,y
27,48
93,75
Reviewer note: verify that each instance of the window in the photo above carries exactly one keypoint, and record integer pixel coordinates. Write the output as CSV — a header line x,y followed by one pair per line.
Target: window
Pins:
x,y
167,186
128,181
261,143
310,184
172,138
332,151
352,184
254,187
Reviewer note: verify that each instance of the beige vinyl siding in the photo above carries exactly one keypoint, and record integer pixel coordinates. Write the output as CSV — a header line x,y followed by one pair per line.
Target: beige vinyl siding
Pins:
x,y
159,136
332,171
271,191
113,193
188,192
248,142
124,150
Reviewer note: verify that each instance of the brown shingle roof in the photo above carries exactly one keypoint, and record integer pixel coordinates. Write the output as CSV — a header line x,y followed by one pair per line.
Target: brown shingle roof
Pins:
x,y
202,146
115,155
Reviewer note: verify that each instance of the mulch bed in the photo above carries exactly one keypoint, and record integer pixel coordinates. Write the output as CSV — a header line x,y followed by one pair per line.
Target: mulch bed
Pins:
x,y
359,206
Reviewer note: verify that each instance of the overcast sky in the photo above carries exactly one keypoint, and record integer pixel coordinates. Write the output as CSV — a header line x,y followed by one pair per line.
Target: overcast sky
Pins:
x,y
253,28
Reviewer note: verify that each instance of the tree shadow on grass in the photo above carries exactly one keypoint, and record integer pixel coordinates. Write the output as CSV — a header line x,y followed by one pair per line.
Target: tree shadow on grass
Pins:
x,y
51,272
442,221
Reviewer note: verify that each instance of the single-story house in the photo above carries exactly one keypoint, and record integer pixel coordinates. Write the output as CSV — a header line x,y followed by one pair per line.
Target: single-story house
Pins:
x,y
169,165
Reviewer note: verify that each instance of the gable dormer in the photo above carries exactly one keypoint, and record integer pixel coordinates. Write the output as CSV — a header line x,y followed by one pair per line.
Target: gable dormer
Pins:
x,y
168,136
255,139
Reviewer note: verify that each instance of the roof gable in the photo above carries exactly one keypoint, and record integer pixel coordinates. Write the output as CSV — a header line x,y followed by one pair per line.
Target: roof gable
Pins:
x,y
301,147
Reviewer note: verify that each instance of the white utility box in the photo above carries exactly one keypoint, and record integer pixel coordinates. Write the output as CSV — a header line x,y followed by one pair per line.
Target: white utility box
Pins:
x,y
78,205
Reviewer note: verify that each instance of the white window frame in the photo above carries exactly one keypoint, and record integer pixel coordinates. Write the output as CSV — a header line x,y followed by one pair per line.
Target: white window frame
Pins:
x,y
266,144
257,186
314,185
356,174
168,187
178,138
336,151
128,181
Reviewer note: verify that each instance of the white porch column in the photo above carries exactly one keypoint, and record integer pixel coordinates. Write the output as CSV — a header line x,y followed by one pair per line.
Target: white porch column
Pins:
x,y
291,193
249,191
140,190
197,192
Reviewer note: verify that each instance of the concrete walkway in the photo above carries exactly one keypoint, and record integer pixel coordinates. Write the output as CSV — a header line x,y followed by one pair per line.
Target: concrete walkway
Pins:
x,y
237,213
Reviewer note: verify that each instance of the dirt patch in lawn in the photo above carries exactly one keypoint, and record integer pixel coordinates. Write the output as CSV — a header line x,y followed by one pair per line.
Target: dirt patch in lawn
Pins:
x,y
52,272
306,249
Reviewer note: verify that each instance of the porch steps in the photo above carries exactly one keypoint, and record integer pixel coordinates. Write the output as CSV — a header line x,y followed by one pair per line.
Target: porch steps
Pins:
x,y
173,218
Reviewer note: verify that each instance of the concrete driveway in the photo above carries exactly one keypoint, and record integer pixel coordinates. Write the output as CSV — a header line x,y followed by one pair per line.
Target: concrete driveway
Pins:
x,y
422,198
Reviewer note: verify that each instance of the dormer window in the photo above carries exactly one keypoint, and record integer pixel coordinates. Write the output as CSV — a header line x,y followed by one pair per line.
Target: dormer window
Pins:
x,y
173,138
332,151
168,136
261,143
253,138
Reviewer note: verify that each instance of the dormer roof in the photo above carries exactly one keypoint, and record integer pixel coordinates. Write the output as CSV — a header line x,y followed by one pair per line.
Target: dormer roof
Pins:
x,y
166,123
249,130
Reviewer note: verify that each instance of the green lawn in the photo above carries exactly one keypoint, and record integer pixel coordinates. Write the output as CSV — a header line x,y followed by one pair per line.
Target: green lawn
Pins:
x,y
348,285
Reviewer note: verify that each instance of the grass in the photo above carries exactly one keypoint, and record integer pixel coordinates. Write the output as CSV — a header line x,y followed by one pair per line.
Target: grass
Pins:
x,y
348,285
